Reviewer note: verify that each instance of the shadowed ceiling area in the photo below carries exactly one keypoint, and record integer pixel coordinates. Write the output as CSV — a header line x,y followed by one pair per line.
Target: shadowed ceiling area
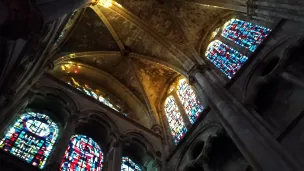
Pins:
x,y
133,50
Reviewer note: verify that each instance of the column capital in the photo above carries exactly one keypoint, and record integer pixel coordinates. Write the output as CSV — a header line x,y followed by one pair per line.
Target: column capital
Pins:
x,y
195,69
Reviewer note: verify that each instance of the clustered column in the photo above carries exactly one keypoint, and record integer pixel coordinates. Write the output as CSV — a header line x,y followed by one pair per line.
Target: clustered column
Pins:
x,y
8,113
62,143
261,150
115,156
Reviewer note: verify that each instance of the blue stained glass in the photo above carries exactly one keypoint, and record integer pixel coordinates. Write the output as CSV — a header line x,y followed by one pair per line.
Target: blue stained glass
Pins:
x,y
245,33
128,165
87,90
176,123
31,138
228,60
189,100
82,154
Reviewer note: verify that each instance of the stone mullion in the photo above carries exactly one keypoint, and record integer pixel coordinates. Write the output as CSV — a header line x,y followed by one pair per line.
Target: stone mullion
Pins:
x,y
168,132
62,143
115,157
182,110
257,145
234,46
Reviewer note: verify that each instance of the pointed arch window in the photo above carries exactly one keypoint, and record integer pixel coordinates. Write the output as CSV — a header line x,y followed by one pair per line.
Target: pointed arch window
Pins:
x,y
189,100
93,93
31,138
228,60
176,123
128,165
83,153
245,33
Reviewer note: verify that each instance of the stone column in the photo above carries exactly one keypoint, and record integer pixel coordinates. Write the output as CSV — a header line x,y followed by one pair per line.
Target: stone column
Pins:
x,y
182,110
10,100
199,92
115,157
258,146
62,144
10,113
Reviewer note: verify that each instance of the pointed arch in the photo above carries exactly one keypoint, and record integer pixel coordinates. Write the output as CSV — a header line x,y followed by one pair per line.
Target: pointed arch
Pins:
x,y
83,153
31,138
96,94
91,74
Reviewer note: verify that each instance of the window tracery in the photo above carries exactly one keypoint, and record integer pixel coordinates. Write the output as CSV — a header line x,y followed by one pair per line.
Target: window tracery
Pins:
x,y
228,60
95,94
176,123
82,154
31,138
128,165
190,102
245,33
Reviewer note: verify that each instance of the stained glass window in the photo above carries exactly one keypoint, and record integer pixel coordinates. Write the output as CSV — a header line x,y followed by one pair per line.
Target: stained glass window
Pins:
x,y
31,138
189,100
129,165
82,154
90,92
228,60
176,123
244,33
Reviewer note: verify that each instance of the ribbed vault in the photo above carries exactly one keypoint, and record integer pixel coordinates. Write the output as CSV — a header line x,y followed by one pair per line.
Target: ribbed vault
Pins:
x,y
134,49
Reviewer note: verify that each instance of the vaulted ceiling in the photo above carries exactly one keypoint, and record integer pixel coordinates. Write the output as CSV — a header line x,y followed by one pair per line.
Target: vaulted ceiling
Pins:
x,y
144,45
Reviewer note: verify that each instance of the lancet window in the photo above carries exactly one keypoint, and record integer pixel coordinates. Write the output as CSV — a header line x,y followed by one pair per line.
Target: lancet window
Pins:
x,y
95,94
82,154
31,138
190,102
176,123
